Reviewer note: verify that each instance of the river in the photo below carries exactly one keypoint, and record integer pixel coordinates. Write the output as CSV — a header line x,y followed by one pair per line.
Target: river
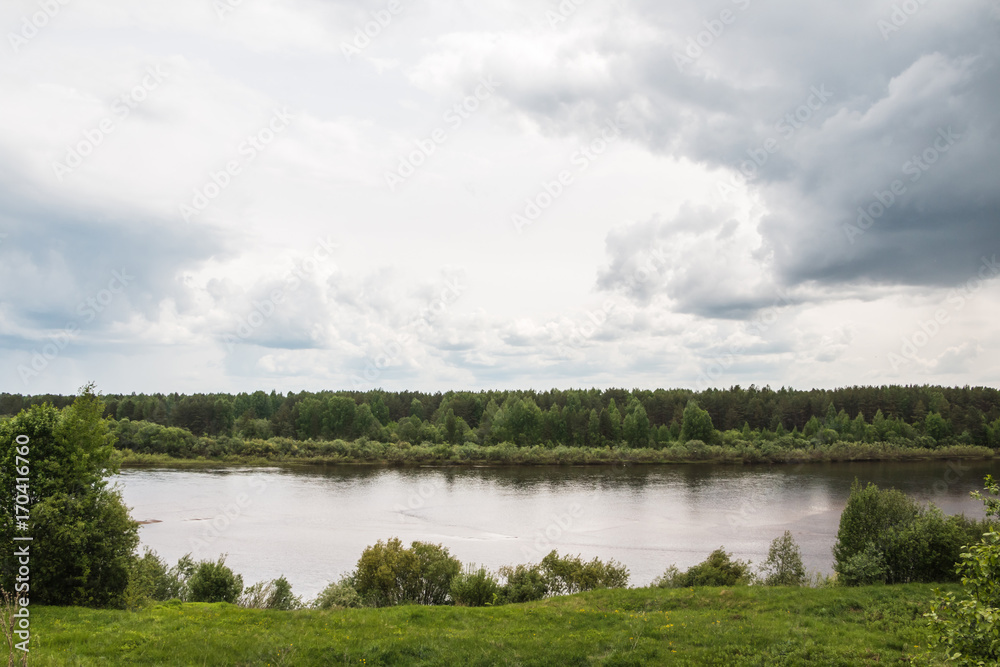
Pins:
x,y
312,523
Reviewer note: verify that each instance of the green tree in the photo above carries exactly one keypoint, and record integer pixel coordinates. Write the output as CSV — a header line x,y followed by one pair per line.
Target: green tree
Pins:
x,y
84,540
696,424
783,566
636,426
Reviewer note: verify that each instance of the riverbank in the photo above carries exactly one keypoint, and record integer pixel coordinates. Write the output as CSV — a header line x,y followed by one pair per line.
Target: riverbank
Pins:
x,y
731,626
390,454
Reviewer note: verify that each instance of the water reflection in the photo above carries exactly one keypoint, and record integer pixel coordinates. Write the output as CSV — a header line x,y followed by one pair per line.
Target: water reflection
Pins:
x,y
312,523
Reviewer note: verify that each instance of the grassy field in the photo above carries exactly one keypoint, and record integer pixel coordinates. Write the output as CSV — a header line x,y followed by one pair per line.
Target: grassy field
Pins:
x,y
706,626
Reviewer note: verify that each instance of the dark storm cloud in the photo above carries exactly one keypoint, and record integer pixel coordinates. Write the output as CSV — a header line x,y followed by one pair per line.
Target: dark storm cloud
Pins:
x,y
824,107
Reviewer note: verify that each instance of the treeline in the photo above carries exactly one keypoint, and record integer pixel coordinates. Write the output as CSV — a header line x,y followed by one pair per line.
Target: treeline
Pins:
x,y
574,418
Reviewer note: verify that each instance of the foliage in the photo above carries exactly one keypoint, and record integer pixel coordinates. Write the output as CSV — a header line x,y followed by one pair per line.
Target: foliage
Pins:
x,y
389,574
476,587
719,569
338,595
697,424
886,537
83,537
969,627
213,581
570,574
274,594
524,583
149,580
783,566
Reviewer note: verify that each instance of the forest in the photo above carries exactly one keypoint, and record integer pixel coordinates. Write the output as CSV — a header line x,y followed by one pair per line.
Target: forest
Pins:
x,y
922,416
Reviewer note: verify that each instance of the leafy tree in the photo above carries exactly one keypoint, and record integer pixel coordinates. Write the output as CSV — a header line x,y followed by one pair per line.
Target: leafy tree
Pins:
x,y
697,424
935,426
84,540
524,583
636,426
570,574
338,595
783,566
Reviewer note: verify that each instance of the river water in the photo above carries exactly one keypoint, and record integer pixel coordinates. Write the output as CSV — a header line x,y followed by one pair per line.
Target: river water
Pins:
x,y
311,524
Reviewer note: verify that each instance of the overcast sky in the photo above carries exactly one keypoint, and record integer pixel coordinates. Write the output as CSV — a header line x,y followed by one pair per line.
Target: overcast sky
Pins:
x,y
230,195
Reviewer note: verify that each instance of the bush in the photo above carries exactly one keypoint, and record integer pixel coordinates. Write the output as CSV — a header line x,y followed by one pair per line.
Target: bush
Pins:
x,y
148,581
274,594
524,583
338,595
389,574
475,588
783,566
968,629
571,574
885,537
719,569
214,582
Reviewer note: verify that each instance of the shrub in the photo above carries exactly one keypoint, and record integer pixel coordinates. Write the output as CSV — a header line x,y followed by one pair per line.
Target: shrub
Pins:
x,y
968,629
783,566
436,568
475,588
274,594
338,595
389,574
524,583
886,537
148,581
719,569
214,582
570,574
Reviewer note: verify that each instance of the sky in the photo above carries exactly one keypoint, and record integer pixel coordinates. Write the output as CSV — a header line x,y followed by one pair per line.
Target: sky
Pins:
x,y
232,195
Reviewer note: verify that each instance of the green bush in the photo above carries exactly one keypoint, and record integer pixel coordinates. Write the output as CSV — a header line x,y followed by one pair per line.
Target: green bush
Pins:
x,y
476,587
338,595
388,574
524,583
149,581
886,537
969,628
570,574
719,569
274,594
214,582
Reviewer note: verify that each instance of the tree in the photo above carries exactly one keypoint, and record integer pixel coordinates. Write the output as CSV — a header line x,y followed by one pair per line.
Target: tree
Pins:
x,y
636,426
783,566
84,540
696,424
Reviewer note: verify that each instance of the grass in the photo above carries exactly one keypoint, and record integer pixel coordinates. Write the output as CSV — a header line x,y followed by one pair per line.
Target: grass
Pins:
x,y
704,626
